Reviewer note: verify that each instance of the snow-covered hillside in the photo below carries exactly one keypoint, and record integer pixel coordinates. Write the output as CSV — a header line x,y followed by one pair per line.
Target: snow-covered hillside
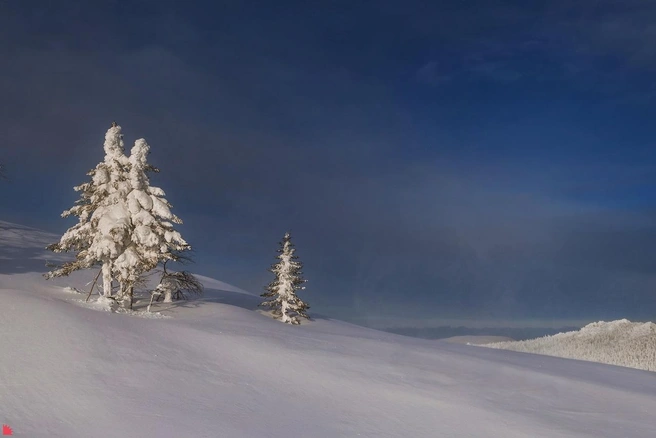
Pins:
x,y
217,368
624,343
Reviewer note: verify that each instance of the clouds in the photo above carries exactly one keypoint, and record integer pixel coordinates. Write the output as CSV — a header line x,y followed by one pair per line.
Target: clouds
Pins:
x,y
624,30
602,48
399,206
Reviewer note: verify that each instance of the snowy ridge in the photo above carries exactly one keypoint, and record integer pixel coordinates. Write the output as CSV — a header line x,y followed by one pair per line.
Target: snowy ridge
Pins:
x,y
20,236
622,342
215,367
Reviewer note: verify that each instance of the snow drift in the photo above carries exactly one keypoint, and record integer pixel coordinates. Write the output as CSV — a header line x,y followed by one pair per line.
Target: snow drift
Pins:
x,y
215,367
623,343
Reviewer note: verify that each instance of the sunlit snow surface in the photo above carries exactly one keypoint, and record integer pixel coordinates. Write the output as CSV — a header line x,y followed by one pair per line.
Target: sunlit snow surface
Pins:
x,y
624,343
217,368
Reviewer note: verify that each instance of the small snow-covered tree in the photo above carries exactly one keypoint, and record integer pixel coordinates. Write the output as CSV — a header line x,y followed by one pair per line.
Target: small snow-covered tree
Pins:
x,y
281,292
103,224
153,239
176,285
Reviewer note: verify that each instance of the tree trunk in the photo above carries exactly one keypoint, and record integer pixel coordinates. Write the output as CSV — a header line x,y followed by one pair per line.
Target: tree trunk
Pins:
x,y
130,296
125,295
284,307
107,279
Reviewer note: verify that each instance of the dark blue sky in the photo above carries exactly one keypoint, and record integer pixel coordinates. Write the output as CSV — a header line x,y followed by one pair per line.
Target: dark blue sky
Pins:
x,y
434,161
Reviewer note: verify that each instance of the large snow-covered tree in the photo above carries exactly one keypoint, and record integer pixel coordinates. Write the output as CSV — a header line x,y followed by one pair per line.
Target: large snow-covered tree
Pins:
x,y
281,292
152,236
103,220
124,224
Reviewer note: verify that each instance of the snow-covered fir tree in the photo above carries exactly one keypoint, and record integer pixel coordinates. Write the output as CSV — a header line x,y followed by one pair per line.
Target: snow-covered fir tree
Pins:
x,y
281,292
152,236
124,224
103,226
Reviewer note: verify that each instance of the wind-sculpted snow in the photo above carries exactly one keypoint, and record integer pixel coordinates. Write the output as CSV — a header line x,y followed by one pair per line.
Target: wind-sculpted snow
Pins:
x,y
623,343
214,367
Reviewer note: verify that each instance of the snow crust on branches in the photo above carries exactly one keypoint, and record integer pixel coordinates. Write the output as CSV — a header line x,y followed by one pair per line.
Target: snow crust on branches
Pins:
x,y
124,224
284,302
